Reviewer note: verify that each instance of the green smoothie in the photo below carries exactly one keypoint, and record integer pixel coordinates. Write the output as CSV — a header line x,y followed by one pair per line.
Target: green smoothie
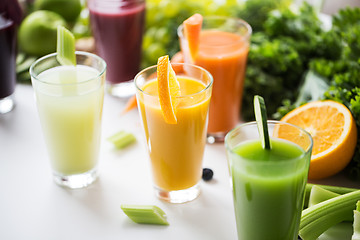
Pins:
x,y
268,188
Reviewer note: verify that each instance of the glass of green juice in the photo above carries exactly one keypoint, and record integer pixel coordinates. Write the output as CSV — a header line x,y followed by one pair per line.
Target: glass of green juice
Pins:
x,y
176,150
69,102
268,185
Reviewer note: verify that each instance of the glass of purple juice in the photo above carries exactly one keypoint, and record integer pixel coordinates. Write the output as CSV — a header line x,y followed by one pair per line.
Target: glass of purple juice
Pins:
x,y
8,31
118,26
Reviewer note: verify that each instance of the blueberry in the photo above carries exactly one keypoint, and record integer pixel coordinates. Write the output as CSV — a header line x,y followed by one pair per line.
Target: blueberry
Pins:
x,y
207,174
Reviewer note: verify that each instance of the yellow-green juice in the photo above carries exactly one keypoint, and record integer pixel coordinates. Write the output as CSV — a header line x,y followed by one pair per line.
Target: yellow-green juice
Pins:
x,y
70,101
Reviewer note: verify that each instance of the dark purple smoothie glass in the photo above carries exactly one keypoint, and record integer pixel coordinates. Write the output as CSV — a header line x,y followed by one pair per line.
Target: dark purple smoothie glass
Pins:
x,y
118,26
10,17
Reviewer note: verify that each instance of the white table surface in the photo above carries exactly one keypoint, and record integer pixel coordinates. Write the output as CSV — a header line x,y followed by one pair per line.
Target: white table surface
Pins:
x,y
32,206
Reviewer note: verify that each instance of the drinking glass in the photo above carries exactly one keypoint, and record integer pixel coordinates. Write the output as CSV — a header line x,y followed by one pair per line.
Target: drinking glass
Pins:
x,y
223,49
176,150
8,31
268,185
118,26
70,101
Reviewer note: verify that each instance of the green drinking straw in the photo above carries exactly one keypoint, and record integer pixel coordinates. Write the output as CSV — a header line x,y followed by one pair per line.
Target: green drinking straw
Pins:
x,y
261,120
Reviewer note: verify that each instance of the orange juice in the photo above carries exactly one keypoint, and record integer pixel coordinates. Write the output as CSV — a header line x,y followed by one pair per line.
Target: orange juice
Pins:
x,y
223,52
176,150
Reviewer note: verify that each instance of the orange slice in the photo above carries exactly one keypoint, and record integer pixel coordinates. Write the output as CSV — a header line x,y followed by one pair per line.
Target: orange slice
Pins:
x,y
168,88
192,29
334,133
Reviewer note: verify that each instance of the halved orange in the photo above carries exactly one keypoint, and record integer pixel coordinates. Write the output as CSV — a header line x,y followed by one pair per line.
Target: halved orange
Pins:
x,y
334,134
192,29
169,89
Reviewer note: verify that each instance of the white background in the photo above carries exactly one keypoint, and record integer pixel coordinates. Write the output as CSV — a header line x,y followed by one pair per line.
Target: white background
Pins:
x,y
32,206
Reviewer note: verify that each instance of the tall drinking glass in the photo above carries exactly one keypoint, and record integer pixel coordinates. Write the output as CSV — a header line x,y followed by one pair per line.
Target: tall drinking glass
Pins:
x,y
118,27
8,32
176,150
223,50
70,101
268,185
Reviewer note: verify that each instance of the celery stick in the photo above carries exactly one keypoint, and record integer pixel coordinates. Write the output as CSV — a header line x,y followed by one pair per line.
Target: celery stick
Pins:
x,y
335,189
122,139
146,214
339,231
318,218
319,194
65,47
356,224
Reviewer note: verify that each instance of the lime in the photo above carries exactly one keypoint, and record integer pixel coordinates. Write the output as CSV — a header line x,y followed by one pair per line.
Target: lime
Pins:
x,y
37,33
68,9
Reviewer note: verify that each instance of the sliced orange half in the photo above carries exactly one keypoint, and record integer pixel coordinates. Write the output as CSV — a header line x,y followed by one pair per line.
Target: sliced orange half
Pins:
x,y
334,134
192,29
169,89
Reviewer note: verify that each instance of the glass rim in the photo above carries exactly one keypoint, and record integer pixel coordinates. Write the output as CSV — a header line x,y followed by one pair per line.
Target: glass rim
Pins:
x,y
176,64
112,3
254,123
51,55
243,22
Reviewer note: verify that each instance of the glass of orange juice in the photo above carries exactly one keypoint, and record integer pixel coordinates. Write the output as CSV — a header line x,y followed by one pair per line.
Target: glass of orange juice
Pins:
x,y
223,49
176,150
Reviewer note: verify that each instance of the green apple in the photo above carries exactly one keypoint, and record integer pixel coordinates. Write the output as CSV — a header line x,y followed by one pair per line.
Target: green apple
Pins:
x,y
37,32
68,9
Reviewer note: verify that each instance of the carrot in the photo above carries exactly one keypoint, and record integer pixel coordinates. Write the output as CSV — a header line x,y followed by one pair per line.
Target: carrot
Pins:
x,y
192,28
131,104
177,58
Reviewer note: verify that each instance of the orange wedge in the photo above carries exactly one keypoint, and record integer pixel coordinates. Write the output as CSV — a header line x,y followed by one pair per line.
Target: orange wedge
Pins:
x,y
192,29
168,88
334,133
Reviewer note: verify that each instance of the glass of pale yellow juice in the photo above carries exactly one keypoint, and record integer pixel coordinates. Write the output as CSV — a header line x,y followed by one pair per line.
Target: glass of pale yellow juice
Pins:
x,y
69,102
176,150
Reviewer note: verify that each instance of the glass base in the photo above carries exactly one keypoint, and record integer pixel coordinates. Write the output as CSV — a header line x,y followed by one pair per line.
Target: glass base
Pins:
x,y
6,104
178,196
121,90
218,137
76,181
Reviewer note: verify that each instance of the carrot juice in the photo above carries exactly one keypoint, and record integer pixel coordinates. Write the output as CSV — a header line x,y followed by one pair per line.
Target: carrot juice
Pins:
x,y
176,150
223,50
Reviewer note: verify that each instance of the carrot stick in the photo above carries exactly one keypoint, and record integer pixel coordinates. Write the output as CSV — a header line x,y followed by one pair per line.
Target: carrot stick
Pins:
x,y
131,104
192,28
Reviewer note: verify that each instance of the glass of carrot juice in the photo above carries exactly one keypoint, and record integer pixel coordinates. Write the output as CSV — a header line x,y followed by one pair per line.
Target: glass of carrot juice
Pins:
x,y
223,49
176,150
